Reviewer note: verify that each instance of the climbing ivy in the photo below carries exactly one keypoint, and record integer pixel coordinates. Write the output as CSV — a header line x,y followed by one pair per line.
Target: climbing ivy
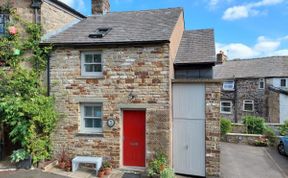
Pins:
x,y
24,106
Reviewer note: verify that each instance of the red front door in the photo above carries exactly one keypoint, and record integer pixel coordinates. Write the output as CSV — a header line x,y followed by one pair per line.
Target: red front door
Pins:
x,y
134,138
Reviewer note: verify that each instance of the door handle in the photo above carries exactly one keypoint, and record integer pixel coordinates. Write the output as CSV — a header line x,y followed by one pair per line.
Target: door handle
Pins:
x,y
186,147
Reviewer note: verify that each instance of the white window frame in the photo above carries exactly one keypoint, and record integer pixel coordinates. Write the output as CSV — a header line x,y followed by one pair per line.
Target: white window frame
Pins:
x,y
230,88
83,129
248,102
231,107
259,83
90,74
285,82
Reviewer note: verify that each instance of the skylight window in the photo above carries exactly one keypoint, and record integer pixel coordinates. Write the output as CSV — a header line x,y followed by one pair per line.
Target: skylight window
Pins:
x,y
100,33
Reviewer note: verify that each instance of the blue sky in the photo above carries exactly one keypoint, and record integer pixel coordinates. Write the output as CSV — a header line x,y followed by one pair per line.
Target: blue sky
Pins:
x,y
243,28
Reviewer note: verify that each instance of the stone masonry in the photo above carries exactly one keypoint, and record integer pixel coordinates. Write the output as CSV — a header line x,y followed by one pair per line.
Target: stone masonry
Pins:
x,y
213,93
142,71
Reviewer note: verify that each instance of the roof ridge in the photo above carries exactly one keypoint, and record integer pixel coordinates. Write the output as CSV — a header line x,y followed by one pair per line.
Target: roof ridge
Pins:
x,y
258,58
202,29
144,10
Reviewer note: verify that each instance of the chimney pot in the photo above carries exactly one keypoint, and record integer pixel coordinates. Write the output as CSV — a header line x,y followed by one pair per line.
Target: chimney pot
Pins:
x,y
100,7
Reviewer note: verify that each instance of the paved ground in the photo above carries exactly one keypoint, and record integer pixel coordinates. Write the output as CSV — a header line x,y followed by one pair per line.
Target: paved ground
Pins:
x,y
243,161
29,174
282,161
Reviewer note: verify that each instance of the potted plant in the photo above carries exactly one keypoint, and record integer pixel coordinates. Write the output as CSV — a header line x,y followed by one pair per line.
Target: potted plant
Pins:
x,y
63,160
101,172
22,159
157,165
107,167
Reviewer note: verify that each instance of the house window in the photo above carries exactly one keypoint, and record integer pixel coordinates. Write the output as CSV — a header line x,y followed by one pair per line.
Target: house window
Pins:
x,y
91,64
283,83
226,107
261,84
3,21
228,85
91,118
248,105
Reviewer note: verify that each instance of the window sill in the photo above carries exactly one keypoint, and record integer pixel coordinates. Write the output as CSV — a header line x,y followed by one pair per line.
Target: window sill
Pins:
x,y
225,112
89,135
90,77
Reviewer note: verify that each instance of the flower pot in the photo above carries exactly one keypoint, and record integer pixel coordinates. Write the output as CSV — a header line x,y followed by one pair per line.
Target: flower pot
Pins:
x,y
61,165
101,173
108,170
24,164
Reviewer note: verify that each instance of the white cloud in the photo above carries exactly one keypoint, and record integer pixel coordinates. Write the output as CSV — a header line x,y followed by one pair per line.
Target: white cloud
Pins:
x,y
263,47
250,9
236,12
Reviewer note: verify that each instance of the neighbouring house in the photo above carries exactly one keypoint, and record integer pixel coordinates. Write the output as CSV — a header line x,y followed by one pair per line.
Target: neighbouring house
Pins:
x,y
52,15
256,87
127,84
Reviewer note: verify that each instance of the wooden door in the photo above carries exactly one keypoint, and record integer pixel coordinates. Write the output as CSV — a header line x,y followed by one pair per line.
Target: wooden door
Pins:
x,y
134,138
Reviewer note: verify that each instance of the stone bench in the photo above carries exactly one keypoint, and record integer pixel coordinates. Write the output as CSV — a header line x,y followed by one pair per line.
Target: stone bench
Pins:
x,y
86,159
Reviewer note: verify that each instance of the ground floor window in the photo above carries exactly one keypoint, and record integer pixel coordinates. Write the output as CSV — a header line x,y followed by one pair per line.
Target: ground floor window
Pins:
x,y
226,107
91,117
248,105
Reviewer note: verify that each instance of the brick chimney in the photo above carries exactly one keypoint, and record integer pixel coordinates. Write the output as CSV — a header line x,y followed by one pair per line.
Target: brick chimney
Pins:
x,y
100,7
221,57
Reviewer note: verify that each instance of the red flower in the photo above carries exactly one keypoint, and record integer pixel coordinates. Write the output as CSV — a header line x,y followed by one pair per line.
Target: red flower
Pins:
x,y
12,30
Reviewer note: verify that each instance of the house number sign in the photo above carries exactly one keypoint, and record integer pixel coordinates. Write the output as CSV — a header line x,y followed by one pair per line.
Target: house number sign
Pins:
x,y
110,122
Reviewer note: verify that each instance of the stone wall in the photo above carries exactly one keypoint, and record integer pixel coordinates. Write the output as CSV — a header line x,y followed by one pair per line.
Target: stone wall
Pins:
x,y
213,129
142,70
54,17
246,89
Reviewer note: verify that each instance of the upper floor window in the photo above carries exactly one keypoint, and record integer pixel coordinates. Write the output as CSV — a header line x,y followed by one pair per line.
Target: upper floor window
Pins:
x,y
91,64
248,105
283,82
228,85
226,107
3,22
91,118
261,83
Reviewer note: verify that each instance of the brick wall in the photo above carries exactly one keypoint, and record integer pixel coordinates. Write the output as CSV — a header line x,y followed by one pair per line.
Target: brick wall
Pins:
x,y
142,70
213,129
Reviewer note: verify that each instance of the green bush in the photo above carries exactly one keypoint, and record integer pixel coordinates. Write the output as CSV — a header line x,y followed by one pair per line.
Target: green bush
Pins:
x,y
253,124
270,135
157,164
226,126
167,173
284,128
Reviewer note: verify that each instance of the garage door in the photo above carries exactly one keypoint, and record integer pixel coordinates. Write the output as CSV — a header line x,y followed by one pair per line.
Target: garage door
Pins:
x,y
283,108
189,129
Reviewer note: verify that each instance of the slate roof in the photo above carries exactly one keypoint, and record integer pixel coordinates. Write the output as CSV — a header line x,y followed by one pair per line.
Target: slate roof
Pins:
x,y
133,26
275,66
197,46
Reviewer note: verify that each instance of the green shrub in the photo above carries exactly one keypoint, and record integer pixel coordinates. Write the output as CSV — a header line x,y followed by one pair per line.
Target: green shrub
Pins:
x,y
157,164
226,126
284,128
167,173
270,135
253,124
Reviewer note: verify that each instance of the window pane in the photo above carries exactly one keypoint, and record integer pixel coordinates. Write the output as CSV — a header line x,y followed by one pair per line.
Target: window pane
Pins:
x,y
283,82
226,104
88,123
97,68
88,111
97,58
88,58
97,111
89,68
93,68
248,107
226,109
97,123
2,28
261,84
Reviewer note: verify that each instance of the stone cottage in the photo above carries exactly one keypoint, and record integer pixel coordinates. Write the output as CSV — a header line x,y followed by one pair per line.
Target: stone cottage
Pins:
x,y
112,75
51,14
254,87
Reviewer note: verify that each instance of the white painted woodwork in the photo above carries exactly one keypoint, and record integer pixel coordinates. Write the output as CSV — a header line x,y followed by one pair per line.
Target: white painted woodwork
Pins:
x,y
283,108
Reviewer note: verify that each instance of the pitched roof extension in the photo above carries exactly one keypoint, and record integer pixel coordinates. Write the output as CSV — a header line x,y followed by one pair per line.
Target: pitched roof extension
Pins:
x,y
197,46
126,27
275,66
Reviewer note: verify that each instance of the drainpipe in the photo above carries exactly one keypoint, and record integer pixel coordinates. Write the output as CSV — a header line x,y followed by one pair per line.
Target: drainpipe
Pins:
x,y
36,5
48,74
235,100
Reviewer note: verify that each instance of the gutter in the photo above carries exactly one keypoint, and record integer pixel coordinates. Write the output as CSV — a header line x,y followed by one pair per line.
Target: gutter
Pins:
x,y
92,44
278,90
